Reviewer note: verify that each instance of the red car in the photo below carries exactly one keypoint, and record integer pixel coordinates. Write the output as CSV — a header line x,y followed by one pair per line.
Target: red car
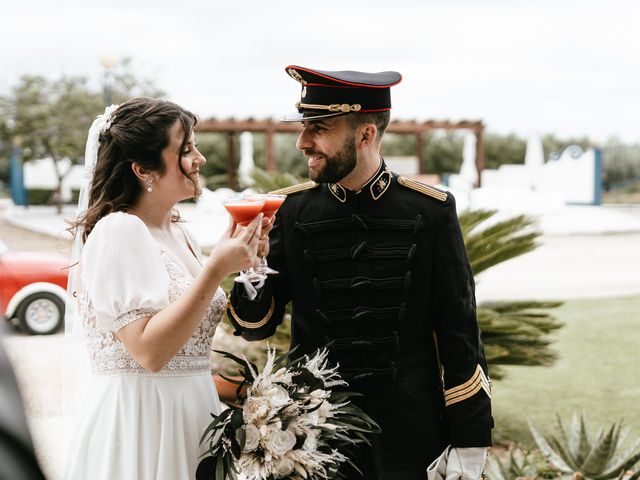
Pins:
x,y
33,289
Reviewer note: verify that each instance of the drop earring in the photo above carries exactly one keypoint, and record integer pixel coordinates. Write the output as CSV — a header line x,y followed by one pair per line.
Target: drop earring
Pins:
x,y
149,184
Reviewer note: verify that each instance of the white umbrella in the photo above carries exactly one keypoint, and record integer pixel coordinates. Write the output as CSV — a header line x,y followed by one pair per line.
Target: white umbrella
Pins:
x,y
468,170
246,159
534,155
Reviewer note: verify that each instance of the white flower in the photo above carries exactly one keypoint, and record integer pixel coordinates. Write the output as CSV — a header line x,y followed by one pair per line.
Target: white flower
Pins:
x,y
324,412
252,437
312,418
280,442
319,394
278,396
282,467
255,408
310,443
252,466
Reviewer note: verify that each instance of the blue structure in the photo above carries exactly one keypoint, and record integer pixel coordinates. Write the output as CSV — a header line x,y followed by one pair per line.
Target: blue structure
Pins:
x,y
16,179
597,194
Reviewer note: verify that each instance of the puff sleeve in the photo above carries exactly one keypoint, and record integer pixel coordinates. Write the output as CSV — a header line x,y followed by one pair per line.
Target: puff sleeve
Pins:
x,y
123,271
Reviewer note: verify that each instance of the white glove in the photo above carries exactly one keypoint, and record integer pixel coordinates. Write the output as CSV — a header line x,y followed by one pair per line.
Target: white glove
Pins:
x,y
250,289
466,463
438,468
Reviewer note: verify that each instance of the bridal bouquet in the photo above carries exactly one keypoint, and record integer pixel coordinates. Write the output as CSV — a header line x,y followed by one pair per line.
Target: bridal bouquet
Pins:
x,y
290,424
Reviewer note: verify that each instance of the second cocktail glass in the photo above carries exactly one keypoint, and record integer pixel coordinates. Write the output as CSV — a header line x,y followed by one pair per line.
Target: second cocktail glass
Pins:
x,y
272,203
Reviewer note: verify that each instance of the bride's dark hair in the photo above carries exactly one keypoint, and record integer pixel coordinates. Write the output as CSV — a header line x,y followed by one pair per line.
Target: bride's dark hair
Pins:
x,y
139,131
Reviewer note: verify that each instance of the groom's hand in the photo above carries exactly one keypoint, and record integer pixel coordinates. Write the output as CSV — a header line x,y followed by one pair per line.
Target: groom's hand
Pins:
x,y
263,244
466,463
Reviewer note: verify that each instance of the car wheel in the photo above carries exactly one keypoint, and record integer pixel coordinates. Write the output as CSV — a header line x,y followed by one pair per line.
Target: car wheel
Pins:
x,y
41,314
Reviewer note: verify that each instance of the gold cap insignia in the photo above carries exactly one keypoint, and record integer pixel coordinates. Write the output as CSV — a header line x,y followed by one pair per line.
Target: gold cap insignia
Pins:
x,y
296,76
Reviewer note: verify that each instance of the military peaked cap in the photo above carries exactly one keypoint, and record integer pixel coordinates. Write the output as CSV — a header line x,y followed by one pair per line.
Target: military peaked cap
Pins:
x,y
327,94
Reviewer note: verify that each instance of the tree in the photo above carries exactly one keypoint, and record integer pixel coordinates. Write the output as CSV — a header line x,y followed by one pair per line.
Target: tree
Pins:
x,y
503,149
50,118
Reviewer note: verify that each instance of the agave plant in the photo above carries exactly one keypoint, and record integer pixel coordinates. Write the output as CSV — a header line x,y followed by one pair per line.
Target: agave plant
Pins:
x,y
518,464
596,457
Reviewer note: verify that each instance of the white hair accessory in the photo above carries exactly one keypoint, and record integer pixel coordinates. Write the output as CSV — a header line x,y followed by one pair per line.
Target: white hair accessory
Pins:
x,y
106,117
100,125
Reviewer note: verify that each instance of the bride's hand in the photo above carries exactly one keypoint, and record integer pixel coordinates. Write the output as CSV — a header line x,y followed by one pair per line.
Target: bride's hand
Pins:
x,y
237,249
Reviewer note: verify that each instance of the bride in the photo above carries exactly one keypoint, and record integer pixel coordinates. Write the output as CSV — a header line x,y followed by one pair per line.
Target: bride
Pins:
x,y
147,303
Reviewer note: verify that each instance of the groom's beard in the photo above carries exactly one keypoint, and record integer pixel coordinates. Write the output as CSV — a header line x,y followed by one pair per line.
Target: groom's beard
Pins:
x,y
338,166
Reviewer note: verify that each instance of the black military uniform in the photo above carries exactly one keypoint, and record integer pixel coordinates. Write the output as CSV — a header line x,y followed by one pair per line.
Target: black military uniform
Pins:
x,y
382,277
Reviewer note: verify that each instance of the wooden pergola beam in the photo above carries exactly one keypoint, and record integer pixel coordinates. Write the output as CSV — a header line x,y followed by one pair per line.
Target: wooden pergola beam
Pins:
x,y
248,125
403,127
396,126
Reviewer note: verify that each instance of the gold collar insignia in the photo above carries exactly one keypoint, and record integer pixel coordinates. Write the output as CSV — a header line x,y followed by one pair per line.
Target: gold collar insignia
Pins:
x,y
338,191
377,186
380,184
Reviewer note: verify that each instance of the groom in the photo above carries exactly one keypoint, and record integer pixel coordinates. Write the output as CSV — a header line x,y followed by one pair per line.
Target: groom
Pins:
x,y
376,269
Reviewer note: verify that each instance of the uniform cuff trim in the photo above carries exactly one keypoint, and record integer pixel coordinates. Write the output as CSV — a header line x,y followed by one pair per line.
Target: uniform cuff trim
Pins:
x,y
477,382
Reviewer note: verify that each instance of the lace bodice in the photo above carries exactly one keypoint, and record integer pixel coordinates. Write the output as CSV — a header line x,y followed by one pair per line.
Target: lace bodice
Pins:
x,y
109,356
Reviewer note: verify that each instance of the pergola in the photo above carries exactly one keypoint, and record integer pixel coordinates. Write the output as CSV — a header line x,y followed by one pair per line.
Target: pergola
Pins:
x,y
270,128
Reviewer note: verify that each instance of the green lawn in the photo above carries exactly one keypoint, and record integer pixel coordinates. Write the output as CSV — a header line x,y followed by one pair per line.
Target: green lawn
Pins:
x,y
598,373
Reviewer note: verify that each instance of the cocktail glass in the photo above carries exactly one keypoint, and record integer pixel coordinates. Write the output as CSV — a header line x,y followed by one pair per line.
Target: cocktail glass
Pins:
x,y
243,210
272,203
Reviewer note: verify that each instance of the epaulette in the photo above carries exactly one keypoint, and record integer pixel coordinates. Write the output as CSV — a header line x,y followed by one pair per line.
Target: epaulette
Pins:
x,y
423,188
295,188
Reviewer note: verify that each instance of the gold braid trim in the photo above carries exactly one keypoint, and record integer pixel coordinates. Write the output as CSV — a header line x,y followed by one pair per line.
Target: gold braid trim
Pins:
x,y
463,386
251,325
463,397
477,382
334,107
295,188
422,188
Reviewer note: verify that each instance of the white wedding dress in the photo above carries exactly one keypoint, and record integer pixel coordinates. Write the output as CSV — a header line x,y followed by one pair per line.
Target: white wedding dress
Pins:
x,y
136,424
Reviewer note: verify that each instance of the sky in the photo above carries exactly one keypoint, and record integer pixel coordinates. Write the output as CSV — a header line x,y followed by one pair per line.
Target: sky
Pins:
x,y
570,68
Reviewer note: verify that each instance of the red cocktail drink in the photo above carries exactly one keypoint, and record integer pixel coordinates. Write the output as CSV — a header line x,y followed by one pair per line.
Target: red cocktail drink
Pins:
x,y
243,211
272,204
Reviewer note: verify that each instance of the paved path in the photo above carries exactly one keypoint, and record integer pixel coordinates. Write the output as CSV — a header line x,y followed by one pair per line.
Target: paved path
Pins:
x,y
562,267
568,267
